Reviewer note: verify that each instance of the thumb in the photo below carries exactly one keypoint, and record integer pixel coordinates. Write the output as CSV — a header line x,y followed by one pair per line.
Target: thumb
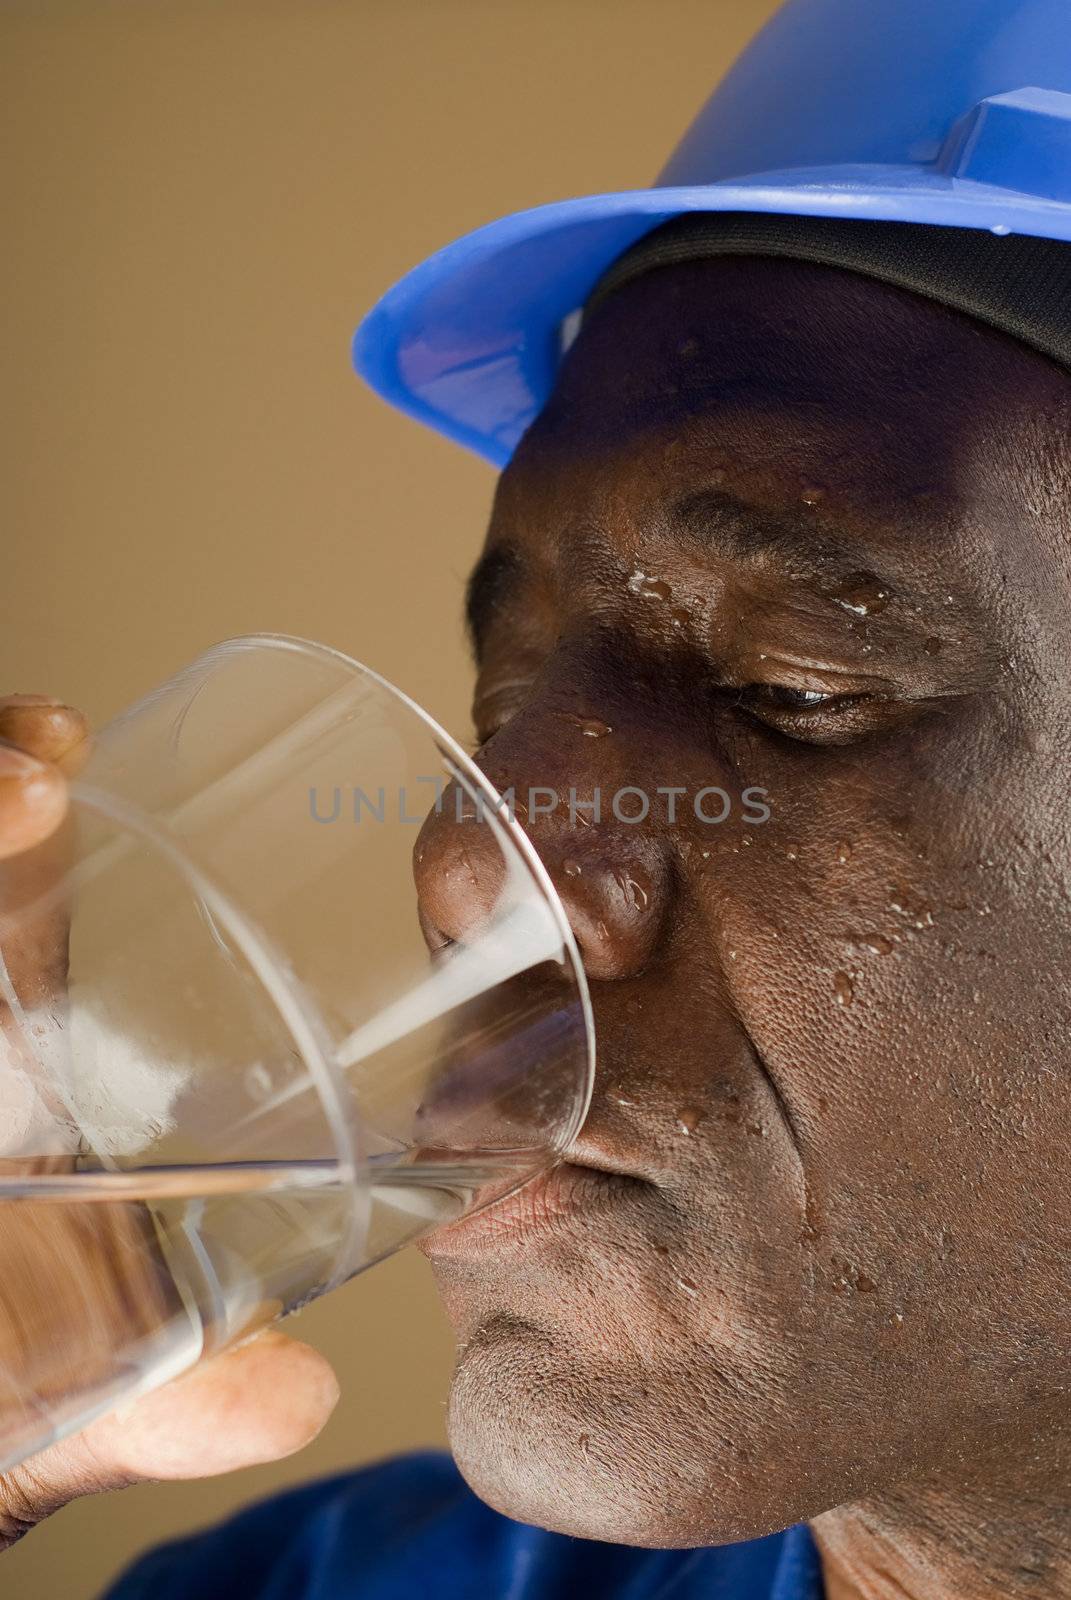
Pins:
x,y
258,1402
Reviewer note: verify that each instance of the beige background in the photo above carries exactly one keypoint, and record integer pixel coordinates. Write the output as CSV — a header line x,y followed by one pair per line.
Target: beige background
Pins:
x,y
200,198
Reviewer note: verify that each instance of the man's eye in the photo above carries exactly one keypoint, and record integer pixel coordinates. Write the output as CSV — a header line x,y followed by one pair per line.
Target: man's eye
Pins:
x,y
777,697
811,715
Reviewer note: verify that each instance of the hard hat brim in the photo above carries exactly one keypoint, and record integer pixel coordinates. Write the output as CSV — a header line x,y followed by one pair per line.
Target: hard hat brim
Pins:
x,y
469,341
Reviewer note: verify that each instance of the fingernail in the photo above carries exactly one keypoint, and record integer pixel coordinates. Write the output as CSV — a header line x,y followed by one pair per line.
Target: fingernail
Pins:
x,y
48,728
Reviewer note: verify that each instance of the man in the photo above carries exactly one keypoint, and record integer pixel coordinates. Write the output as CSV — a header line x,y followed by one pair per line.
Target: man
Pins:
x,y
790,513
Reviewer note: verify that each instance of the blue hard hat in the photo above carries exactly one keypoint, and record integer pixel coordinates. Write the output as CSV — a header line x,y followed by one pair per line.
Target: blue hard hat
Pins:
x,y
939,111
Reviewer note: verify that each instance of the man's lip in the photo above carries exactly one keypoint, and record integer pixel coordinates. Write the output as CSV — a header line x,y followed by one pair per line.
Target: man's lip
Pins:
x,y
557,1202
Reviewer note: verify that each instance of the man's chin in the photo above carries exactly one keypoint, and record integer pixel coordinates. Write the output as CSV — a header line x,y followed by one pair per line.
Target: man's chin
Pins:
x,y
585,1451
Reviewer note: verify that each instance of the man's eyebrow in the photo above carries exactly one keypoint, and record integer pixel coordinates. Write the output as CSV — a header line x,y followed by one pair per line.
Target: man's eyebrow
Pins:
x,y
715,520
491,581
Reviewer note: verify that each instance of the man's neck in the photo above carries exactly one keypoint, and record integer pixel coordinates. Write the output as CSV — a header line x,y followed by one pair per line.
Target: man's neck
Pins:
x,y
1002,1533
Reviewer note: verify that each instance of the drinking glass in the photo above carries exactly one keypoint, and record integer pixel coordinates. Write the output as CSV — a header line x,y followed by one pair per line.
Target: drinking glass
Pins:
x,y
233,1069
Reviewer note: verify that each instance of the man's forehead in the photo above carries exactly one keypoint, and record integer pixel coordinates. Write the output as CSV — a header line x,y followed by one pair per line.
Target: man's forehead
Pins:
x,y
806,489
800,537
750,336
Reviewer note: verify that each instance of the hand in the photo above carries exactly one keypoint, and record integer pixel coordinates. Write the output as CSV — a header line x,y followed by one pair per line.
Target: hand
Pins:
x,y
258,1402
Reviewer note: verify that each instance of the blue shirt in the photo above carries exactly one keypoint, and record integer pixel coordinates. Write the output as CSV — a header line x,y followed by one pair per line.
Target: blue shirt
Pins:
x,y
410,1529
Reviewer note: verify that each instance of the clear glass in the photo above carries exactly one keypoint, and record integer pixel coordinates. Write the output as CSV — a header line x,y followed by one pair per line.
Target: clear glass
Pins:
x,y
233,1070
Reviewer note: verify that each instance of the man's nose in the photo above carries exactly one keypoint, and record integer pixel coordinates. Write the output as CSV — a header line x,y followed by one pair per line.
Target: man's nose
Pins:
x,y
613,874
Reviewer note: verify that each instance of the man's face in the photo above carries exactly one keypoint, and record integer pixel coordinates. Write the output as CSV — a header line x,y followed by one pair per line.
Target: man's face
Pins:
x,y
783,528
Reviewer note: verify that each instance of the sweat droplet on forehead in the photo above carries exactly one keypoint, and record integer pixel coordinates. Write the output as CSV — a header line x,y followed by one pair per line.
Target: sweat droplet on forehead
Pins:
x,y
843,992
689,1118
862,593
651,588
590,727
